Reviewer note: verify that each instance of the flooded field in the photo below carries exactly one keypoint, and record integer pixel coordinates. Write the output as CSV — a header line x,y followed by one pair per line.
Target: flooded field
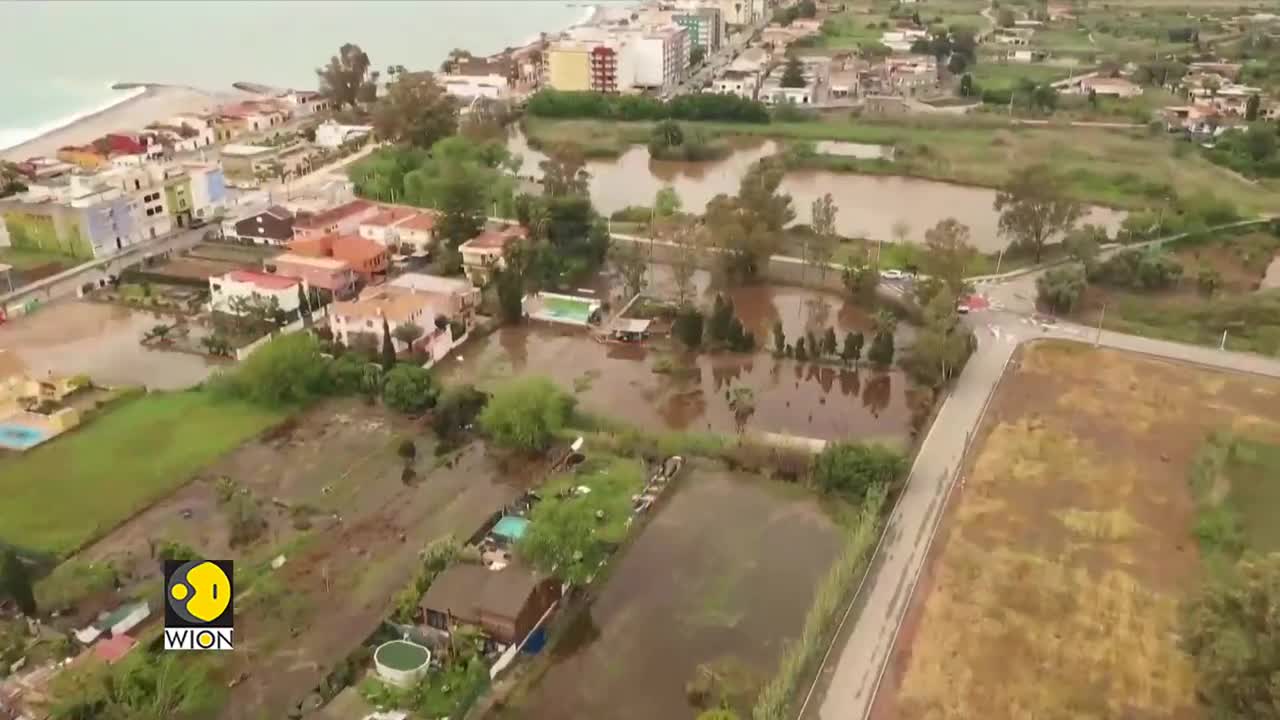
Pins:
x,y
870,205
74,337
619,381
721,577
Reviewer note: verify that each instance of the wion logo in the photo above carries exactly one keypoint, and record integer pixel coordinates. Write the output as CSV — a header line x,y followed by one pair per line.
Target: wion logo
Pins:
x,y
197,605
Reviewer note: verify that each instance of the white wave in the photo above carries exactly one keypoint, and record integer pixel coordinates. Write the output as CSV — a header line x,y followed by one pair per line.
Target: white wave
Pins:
x,y
11,137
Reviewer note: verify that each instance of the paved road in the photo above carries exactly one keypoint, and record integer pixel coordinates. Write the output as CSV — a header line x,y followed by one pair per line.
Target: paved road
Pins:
x,y
853,672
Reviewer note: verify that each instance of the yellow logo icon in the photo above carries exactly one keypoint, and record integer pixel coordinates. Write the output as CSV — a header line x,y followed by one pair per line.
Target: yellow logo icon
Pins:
x,y
203,593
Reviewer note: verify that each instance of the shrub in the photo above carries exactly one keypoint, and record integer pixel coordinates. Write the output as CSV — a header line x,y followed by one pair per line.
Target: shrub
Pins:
x,y
288,370
1059,289
525,413
409,389
457,408
854,470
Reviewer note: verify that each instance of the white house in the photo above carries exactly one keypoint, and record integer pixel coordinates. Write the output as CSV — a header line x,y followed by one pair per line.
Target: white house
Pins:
x,y
494,87
1109,87
247,284
305,102
331,134
384,228
484,252
737,82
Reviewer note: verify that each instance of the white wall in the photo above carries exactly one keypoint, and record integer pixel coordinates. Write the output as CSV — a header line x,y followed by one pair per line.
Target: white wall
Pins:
x,y
222,290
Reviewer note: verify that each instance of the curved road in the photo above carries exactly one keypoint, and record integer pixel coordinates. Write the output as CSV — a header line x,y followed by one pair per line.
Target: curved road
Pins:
x,y
856,663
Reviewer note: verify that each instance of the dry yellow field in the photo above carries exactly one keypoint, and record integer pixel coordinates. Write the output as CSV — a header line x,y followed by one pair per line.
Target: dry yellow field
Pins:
x,y
1055,581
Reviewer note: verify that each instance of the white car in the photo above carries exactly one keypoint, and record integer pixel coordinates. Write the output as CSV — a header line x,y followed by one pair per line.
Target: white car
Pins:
x,y
892,274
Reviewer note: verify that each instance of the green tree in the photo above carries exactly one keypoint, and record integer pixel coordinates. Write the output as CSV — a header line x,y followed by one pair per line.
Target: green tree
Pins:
x,y
779,339
718,714
854,469
687,326
948,253
1251,107
564,172
388,349
1059,289
882,349
346,79
11,181
457,408
304,303
748,227
145,685
667,202
1232,631
718,325
686,240
1033,207
821,244
1005,18
15,582
1084,243
288,370
861,281
525,413
510,282
697,55
409,389
629,261
792,74
829,342
966,85
802,354
852,349
407,333
942,346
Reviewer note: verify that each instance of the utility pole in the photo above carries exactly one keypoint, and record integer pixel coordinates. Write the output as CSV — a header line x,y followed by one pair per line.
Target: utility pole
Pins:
x,y
1223,345
1097,340
999,259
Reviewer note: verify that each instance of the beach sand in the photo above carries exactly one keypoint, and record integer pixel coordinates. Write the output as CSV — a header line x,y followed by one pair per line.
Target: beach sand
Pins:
x,y
157,103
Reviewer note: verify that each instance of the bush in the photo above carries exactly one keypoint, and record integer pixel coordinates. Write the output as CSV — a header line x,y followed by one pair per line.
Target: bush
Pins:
x,y
406,449
688,327
1148,269
526,413
288,370
457,408
1059,289
855,470
409,389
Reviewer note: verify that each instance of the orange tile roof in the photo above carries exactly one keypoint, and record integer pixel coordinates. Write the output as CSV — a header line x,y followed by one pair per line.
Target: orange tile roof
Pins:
x,y
395,304
425,220
355,249
333,215
491,238
392,216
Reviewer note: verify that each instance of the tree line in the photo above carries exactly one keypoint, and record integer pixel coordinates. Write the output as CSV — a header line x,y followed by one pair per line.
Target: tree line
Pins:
x,y
698,106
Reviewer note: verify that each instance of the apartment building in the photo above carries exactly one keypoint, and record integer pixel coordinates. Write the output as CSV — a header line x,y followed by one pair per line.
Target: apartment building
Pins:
x,y
568,65
704,25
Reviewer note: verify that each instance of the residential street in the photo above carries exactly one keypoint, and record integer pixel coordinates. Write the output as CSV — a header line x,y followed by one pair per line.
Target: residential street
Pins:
x,y
852,672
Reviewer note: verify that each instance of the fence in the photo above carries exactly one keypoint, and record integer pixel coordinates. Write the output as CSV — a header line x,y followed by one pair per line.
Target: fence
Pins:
x,y
299,324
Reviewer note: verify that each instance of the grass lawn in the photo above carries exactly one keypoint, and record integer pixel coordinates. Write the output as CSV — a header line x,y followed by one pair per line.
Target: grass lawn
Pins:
x,y
22,259
62,494
1125,169
1005,76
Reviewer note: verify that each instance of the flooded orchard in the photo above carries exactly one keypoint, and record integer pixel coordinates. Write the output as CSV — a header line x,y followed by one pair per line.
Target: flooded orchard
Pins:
x,y
694,393
870,205
719,579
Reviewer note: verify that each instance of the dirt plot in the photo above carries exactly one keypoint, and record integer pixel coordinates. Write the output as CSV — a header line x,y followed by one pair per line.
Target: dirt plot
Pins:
x,y
719,579
1054,583
364,527
194,268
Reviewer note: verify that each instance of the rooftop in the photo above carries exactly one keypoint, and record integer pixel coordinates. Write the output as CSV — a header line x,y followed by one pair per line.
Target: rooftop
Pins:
x,y
333,215
422,282
496,238
238,150
425,220
113,649
266,281
391,216
467,591
397,305
322,263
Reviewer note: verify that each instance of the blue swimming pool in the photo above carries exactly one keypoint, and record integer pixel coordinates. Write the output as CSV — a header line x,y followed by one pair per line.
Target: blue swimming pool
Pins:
x,y
20,437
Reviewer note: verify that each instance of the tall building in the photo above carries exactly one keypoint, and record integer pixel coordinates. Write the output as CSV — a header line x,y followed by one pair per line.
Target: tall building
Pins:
x,y
568,65
705,27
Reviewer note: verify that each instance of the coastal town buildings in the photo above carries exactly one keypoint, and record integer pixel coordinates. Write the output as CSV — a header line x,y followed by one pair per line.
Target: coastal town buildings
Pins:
x,y
272,226
344,219
240,163
359,322
649,54
97,214
331,134
484,253
324,273
230,292
369,260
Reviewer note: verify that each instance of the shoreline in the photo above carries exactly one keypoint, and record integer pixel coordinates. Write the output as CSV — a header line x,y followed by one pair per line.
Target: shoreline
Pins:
x,y
152,102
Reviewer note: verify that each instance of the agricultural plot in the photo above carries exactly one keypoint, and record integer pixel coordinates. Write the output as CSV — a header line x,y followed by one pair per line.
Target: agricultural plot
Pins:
x,y
1056,578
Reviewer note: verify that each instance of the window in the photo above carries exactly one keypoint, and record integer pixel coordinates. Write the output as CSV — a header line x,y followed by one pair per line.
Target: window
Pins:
x,y
137,184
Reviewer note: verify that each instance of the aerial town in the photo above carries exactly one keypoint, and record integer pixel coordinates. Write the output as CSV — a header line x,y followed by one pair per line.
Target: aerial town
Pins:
x,y
703,359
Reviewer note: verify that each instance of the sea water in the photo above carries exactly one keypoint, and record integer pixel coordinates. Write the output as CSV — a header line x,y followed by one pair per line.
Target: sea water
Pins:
x,y
60,59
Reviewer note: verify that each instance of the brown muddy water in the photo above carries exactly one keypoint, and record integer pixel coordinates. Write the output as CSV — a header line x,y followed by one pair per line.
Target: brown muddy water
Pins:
x,y
100,340
724,571
618,381
870,205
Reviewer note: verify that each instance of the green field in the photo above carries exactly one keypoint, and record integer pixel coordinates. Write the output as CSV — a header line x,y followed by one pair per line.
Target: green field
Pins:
x,y
1005,76
72,489
23,259
1125,169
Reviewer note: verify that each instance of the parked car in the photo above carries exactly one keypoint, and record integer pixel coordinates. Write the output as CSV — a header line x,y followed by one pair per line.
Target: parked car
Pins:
x,y
892,274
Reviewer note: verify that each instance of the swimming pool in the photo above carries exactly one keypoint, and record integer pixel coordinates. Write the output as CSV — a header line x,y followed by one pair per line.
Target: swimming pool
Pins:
x,y
20,437
565,308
